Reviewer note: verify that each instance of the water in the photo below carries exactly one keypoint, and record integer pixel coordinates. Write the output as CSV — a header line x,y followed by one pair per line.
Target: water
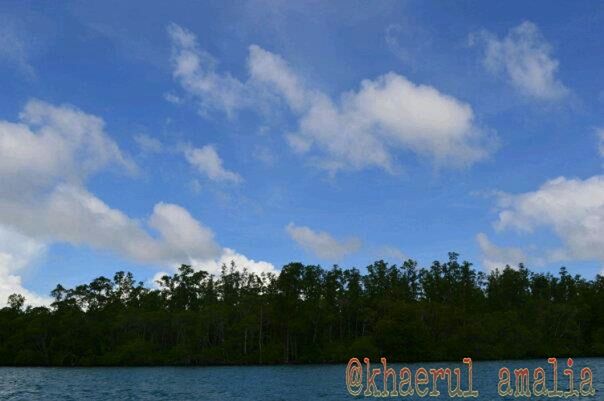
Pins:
x,y
315,382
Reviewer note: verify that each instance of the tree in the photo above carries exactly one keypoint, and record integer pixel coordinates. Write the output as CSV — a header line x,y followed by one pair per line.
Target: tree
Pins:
x,y
16,302
309,314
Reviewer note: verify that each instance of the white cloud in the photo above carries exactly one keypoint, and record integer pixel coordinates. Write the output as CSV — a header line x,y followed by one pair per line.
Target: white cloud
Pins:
x,y
148,144
196,72
572,208
228,255
321,244
207,162
267,67
44,162
181,231
364,128
16,253
391,113
525,58
495,257
73,215
360,129
214,266
54,144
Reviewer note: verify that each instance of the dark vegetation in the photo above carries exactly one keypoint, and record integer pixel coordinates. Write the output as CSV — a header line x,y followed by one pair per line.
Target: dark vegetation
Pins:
x,y
308,314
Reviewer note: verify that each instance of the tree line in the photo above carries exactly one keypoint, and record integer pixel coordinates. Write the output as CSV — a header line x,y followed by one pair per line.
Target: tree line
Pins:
x,y
307,314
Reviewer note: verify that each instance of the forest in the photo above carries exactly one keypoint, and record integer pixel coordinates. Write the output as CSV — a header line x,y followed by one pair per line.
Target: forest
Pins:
x,y
308,314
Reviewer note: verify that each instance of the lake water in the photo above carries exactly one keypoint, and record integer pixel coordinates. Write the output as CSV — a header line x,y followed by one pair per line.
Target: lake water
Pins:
x,y
315,382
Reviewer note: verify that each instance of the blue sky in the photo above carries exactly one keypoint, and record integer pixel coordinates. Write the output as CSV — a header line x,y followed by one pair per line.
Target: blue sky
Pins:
x,y
138,136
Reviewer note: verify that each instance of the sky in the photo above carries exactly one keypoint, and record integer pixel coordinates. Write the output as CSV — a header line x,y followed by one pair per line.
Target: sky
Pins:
x,y
139,136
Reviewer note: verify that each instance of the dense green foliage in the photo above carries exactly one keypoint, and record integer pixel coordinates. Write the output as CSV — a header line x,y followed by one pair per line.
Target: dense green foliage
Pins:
x,y
307,314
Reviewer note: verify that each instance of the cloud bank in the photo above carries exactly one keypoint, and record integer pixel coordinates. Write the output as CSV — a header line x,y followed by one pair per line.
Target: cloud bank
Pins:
x,y
45,159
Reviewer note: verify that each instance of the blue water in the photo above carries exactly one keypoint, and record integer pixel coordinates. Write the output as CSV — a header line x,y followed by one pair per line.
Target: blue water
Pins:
x,y
325,382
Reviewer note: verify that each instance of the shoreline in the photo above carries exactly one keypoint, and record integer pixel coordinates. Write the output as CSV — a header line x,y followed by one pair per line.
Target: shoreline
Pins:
x,y
234,365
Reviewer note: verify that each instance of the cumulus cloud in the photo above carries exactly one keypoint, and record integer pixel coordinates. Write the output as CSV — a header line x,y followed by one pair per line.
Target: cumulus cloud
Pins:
x,y
495,257
363,128
214,266
229,255
16,253
46,159
525,58
391,113
322,244
180,230
207,161
44,162
572,208
53,144
72,214
359,129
